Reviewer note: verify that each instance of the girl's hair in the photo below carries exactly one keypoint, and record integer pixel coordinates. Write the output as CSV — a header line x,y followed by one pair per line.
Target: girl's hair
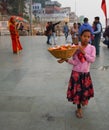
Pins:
x,y
86,30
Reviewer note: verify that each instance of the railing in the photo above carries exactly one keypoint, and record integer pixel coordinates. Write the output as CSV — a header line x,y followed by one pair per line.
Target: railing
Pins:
x,y
4,17
4,28
4,31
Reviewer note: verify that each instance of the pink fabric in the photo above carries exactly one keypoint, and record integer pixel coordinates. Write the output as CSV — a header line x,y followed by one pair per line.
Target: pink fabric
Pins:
x,y
89,57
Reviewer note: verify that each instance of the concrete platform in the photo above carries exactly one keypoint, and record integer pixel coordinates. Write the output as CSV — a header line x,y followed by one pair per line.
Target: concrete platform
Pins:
x,y
33,89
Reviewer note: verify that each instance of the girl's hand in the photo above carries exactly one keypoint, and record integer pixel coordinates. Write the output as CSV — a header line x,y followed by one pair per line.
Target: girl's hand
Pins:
x,y
60,60
81,49
66,60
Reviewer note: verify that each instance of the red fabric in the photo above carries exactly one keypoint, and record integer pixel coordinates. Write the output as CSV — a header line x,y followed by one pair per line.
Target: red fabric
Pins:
x,y
16,45
81,57
80,88
103,6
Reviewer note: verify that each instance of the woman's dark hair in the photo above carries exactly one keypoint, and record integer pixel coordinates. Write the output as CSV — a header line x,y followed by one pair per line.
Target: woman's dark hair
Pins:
x,y
86,30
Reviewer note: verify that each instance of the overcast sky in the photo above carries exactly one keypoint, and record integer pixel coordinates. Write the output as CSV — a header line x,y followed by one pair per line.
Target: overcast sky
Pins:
x,y
88,8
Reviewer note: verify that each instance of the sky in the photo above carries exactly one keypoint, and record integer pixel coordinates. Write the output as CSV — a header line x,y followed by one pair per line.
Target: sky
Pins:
x,y
88,8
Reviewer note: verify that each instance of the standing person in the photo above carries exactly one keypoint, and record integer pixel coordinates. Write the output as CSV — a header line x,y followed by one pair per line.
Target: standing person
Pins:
x,y
21,26
97,34
66,30
54,31
79,25
92,38
85,26
48,32
106,36
16,46
80,87
58,30
74,33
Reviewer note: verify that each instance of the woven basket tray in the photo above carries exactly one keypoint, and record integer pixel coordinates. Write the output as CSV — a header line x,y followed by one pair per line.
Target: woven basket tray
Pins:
x,y
63,54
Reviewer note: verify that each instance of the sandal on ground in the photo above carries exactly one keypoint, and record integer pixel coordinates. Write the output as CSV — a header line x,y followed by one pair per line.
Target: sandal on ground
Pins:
x,y
79,113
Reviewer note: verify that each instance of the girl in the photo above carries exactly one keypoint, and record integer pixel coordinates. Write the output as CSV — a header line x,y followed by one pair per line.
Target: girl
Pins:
x,y
80,87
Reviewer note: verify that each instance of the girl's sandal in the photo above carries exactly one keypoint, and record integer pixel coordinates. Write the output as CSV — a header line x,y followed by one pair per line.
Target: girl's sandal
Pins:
x,y
79,113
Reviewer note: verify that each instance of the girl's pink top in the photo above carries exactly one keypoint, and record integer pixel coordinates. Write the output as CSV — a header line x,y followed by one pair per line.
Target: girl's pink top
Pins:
x,y
89,57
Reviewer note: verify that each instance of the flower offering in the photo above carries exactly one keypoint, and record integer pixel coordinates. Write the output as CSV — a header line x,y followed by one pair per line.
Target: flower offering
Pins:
x,y
63,51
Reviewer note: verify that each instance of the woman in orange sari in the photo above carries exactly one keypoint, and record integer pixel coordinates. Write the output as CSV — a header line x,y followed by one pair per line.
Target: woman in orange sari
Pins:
x,y
16,46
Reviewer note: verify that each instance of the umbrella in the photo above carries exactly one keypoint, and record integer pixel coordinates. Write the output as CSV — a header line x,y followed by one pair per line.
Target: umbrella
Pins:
x,y
20,19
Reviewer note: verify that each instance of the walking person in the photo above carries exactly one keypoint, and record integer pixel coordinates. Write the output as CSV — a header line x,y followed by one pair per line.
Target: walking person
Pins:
x,y
16,45
97,35
80,87
66,30
48,32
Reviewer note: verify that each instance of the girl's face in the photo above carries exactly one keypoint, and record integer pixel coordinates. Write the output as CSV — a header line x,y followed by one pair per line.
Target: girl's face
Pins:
x,y
85,37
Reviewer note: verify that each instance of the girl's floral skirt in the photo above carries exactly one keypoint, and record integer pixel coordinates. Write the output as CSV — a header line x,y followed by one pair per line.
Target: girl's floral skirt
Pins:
x,y
80,88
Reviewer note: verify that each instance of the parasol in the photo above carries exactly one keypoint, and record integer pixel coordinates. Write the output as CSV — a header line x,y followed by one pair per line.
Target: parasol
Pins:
x,y
20,19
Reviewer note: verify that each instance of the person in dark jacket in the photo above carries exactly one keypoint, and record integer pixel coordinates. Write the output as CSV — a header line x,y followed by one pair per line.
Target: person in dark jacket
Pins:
x,y
48,32
97,34
106,36
53,31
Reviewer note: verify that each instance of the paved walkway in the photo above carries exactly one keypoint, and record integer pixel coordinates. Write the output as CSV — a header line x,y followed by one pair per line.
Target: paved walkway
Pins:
x,y
33,89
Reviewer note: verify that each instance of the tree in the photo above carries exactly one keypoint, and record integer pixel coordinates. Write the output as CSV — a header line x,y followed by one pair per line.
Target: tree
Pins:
x,y
3,7
12,7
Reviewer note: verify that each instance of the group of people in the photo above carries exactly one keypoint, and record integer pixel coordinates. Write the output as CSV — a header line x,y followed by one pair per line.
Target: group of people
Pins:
x,y
80,86
51,32
75,32
77,28
87,38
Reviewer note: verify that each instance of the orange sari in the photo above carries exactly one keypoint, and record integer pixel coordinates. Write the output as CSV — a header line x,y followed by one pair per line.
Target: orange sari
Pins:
x,y
16,45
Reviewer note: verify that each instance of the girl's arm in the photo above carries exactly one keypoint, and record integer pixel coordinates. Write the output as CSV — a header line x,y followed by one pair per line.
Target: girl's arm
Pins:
x,y
73,60
90,57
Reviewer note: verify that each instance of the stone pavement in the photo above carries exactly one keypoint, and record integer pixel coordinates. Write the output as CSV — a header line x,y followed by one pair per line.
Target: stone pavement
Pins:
x,y
33,89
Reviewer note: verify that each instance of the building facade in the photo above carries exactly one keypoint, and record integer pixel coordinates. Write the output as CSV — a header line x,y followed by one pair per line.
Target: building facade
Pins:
x,y
52,7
